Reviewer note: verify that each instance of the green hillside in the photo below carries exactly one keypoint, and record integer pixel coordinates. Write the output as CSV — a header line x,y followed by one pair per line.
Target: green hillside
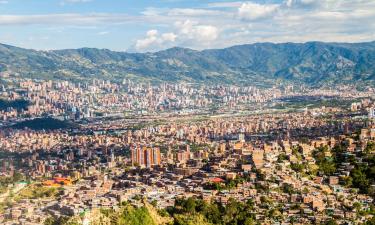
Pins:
x,y
312,63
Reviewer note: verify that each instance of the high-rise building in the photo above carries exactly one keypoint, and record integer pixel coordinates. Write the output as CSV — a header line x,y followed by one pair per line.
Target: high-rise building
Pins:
x,y
371,113
145,156
241,137
157,156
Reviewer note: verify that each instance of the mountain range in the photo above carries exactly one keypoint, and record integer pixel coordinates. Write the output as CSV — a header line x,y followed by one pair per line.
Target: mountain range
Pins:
x,y
310,63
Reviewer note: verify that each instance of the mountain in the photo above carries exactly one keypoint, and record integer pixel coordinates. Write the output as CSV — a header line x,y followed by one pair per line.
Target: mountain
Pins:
x,y
311,63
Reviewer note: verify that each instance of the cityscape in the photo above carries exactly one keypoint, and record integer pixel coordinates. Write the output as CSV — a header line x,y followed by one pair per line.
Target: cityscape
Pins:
x,y
271,132
145,144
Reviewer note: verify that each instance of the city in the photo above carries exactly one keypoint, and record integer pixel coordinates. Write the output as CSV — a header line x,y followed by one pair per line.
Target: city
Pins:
x,y
293,164
187,112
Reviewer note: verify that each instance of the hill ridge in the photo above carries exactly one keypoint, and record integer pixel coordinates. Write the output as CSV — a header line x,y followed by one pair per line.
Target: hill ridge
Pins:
x,y
310,63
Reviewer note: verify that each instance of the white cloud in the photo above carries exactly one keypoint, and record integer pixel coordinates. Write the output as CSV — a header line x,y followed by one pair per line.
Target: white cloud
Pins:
x,y
4,2
154,41
193,12
224,23
171,37
64,2
77,1
289,3
316,4
308,2
103,33
253,11
66,19
225,4
197,32
305,2
184,33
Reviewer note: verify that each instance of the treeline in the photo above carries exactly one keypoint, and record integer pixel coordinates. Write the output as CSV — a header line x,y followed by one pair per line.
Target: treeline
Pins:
x,y
18,104
328,164
190,211
6,181
193,211
125,215
186,211
44,124
363,174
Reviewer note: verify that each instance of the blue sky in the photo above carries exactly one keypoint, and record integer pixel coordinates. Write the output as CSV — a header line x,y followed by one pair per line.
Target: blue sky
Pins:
x,y
140,25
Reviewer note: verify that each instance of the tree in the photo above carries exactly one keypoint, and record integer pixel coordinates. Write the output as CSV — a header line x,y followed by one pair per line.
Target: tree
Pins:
x,y
357,206
249,221
347,181
281,157
370,221
154,203
212,212
183,219
190,205
331,222
370,147
287,188
17,177
233,213
327,166
297,167
359,178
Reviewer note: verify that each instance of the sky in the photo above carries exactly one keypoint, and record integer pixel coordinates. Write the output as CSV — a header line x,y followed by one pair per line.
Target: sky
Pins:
x,y
153,25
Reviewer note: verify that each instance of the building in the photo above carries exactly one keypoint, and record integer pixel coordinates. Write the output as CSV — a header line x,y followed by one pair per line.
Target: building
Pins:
x,y
145,156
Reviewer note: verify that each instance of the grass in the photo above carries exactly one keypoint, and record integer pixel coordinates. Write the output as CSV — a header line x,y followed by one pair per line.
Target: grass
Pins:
x,y
32,191
3,189
3,206
37,191
340,103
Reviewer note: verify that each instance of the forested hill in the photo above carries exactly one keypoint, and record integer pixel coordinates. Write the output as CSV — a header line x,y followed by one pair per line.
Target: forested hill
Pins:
x,y
312,63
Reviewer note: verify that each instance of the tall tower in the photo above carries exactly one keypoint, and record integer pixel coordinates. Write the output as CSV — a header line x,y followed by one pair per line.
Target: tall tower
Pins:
x,y
371,113
145,156
157,157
